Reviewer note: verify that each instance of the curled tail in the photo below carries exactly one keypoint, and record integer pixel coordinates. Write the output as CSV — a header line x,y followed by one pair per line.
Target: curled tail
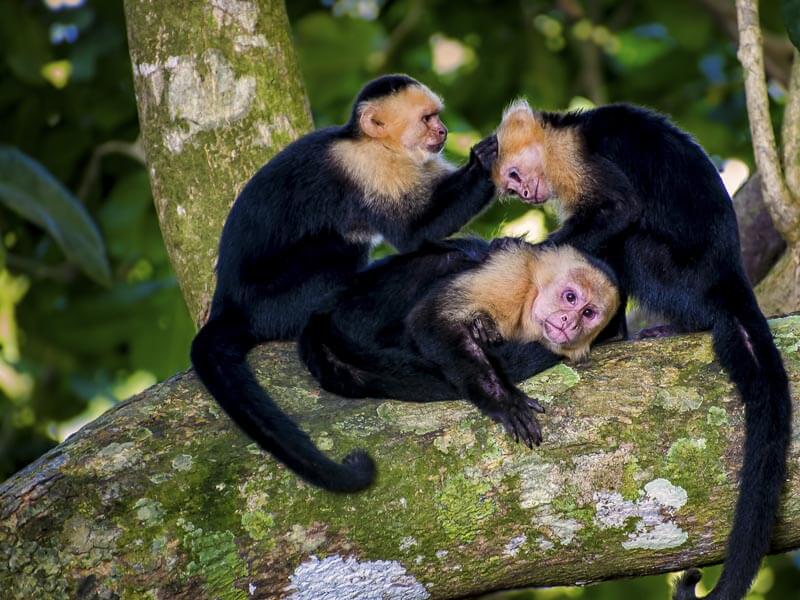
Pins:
x,y
744,345
219,358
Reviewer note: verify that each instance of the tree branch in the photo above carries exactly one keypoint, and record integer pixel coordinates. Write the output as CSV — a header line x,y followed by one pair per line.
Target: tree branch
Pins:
x,y
790,134
777,49
219,92
784,212
161,496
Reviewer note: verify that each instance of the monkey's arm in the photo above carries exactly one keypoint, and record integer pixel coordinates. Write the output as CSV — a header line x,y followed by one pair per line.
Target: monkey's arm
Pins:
x,y
457,198
450,344
606,208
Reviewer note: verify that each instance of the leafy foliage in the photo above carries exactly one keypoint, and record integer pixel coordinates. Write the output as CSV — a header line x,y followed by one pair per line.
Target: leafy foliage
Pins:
x,y
70,347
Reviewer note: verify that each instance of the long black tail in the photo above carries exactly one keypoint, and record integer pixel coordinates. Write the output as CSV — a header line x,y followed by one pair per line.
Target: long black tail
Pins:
x,y
744,345
219,357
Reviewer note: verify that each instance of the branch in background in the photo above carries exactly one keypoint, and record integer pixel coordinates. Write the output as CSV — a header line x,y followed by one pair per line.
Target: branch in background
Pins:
x,y
64,272
591,77
790,135
783,210
132,150
412,16
761,244
777,49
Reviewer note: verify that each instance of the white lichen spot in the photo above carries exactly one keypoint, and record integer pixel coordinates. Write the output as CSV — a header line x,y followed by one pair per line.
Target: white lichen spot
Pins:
x,y
338,578
663,535
564,530
513,546
153,74
407,543
663,492
235,12
182,462
251,588
657,503
264,131
115,457
680,398
246,42
148,511
540,483
203,101
441,554
180,210
546,545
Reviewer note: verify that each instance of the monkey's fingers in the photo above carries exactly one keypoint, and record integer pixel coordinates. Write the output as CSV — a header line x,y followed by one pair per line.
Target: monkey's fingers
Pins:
x,y
485,152
531,431
534,404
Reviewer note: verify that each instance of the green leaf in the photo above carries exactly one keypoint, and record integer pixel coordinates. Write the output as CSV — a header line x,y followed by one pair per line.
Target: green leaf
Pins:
x,y
791,17
29,189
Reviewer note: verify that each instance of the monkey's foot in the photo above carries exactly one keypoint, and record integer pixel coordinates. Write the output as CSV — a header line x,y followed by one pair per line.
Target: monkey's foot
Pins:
x,y
516,415
484,330
659,331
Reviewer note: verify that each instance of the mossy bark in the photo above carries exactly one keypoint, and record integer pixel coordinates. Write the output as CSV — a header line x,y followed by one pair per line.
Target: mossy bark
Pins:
x,y
163,497
219,93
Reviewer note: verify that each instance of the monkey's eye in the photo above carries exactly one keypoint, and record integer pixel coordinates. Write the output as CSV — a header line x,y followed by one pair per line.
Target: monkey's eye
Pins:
x,y
570,296
589,313
427,118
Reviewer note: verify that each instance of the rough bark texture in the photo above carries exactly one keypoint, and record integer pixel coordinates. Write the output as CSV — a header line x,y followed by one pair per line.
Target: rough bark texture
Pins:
x,y
783,209
162,498
219,93
762,245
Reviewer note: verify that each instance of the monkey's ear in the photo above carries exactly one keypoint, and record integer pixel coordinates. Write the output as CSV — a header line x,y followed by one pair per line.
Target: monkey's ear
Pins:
x,y
371,122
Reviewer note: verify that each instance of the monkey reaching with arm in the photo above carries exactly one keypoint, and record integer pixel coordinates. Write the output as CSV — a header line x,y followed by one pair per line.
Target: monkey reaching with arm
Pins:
x,y
303,225
641,194
462,319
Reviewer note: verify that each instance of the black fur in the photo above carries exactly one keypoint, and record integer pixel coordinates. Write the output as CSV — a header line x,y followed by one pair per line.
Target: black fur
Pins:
x,y
386,337
286,246
655,208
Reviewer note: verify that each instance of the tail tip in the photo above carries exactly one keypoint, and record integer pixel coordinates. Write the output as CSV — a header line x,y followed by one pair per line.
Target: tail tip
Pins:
x,y
685,587
362,466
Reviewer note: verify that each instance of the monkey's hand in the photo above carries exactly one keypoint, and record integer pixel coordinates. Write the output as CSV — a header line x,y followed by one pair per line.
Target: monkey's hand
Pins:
x,y
484,331
484,153
516,415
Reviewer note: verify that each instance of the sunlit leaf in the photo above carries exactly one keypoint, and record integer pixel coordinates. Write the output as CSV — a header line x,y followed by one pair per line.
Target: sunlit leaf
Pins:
x,y
28,189
791,17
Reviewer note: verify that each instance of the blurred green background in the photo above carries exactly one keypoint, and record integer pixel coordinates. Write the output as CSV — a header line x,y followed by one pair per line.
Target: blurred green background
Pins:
x,y
90,311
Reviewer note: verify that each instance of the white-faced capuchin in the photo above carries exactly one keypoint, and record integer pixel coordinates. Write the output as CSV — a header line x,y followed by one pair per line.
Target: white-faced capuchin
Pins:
x,y
462,319
642,195
305,223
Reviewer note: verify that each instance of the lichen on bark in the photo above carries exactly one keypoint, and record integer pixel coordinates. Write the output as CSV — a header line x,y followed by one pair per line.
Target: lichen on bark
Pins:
x,y
162,496
219,93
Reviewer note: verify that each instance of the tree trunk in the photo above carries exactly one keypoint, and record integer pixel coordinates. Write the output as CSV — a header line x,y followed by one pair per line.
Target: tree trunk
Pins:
x,y
219,92
162,497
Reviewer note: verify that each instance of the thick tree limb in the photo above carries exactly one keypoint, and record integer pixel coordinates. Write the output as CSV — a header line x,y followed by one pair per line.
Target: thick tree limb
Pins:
x,y
790,133
161,497
785,212
761,244
219,92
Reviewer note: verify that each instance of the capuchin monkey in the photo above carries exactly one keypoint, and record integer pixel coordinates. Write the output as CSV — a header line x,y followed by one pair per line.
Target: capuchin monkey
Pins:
x,y
462,319
642,195
305,223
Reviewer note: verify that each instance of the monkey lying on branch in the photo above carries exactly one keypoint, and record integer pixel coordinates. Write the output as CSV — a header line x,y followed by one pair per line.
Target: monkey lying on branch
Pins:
x,y
462,318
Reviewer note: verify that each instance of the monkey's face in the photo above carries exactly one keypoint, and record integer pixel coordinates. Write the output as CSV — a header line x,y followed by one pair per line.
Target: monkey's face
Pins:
x,y
519,169
573,308
407,121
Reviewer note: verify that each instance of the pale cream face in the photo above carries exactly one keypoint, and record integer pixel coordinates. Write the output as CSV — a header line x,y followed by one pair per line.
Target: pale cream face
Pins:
x,y
408,121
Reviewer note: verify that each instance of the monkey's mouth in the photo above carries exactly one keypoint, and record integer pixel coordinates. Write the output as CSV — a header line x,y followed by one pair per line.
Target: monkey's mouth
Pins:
x,y
556,334
436,148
